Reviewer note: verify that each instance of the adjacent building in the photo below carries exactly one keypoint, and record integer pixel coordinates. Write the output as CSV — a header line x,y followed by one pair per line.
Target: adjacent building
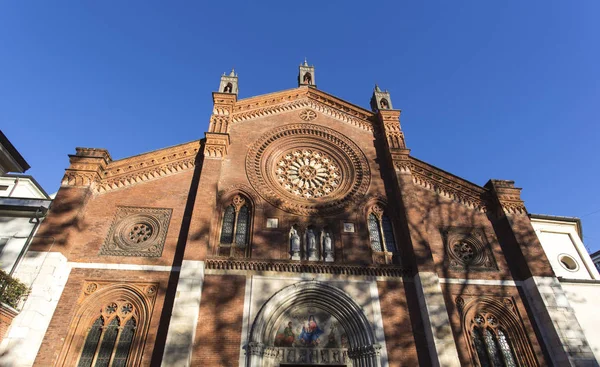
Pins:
x,y
561,239
23,206
299,231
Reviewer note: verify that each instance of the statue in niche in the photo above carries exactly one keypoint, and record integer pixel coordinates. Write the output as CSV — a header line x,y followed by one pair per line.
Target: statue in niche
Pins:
x,y
311,240
327,246
295,244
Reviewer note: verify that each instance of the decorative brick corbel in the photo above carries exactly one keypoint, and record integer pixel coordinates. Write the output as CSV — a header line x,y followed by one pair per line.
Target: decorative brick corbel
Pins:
x,y
390,121
217,137
506,198
86,168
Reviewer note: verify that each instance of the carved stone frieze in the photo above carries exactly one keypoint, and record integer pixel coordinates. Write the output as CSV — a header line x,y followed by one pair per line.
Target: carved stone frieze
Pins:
x,y
103,175
216,145
302,98
445,184
137,232
507,198
325,187
308,267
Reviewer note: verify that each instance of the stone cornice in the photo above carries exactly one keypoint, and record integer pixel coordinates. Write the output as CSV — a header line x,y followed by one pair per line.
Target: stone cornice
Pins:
x,y
302,97
445,184
136,169
305,267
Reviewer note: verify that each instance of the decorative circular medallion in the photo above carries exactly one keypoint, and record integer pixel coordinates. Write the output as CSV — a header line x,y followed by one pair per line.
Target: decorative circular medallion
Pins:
x,y
308,115
308,173
464,251
307,169
151,290
91,288
140,232
137,232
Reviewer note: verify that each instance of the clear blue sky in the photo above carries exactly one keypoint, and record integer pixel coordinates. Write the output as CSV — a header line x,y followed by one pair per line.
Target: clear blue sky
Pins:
x,y
488,89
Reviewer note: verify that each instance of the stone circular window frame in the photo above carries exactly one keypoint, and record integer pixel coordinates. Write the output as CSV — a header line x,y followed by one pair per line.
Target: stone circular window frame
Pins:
x,y
121,235
568,257
117,241
263,155
481,258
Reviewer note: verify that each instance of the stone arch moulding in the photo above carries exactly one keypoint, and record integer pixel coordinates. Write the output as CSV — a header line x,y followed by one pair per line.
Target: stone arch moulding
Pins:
x,y
88,311
363,350
229,192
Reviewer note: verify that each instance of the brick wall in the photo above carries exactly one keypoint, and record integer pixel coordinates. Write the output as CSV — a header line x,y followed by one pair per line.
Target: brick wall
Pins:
x,y
218,335
7,314
71,298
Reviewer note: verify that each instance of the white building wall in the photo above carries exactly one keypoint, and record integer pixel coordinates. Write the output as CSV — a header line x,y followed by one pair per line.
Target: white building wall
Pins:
x,y
585,301
16,230
576,294
560,238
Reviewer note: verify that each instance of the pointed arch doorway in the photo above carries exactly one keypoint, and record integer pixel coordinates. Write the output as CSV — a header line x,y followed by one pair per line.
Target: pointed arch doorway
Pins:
x,y
312,324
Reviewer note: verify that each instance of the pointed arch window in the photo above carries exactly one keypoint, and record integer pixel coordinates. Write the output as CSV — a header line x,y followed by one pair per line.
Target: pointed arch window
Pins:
x,y
491,344
381,232
107,344
495,333
235,228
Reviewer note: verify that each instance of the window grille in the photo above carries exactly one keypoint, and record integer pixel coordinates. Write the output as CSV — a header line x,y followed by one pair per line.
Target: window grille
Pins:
x,y
124,344
388,234
91,343
374,233
108,343
241,231
228,223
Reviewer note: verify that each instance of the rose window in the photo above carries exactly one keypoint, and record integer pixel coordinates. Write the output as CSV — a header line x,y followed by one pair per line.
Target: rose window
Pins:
x,y
464,251
308,173
140,232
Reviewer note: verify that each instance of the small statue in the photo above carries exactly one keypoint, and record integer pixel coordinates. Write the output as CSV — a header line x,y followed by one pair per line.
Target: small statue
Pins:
x,y
312,240
327,247
327,243
295,244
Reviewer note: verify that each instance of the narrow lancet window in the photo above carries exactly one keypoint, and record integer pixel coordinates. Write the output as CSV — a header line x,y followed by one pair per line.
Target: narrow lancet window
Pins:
x,y
91,343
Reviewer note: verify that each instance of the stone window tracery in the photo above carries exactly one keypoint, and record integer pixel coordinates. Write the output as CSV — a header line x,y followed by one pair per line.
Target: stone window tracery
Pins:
x,y
109,339
308,174
495,336
235,228
491,343
467,248
381,232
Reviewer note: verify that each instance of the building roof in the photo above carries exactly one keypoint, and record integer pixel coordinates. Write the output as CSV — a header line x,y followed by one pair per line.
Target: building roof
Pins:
x,y
6,147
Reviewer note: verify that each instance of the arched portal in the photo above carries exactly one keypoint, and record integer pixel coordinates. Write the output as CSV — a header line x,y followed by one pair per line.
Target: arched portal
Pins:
x,y
327,328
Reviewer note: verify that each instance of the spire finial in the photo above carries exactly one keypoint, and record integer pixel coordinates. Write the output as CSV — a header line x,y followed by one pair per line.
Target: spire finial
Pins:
x,y
232,72
377,88
305,62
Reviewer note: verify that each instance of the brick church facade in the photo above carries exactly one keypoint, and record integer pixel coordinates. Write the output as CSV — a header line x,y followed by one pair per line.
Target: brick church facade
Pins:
x,y
300,231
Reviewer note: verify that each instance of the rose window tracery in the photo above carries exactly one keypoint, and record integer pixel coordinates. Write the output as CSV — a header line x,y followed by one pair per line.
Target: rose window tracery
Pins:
x,y
464,251
307,169
308,173
140,232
